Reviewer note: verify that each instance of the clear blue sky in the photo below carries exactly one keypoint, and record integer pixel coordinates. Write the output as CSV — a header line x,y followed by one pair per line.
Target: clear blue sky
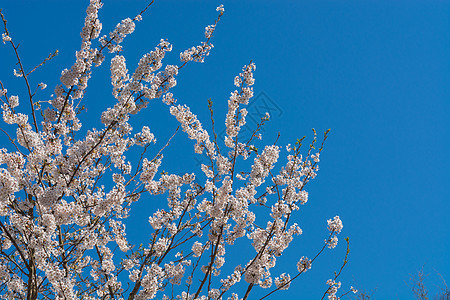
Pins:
x,y
375,72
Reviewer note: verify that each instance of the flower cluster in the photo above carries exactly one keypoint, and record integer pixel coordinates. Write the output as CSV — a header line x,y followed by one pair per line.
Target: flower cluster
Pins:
x,y
335,224
283,282
5,38
124,28
236,117
304,264
333,287
199,53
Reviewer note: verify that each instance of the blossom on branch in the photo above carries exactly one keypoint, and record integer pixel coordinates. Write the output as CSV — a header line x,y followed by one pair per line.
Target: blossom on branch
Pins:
x,y
66,195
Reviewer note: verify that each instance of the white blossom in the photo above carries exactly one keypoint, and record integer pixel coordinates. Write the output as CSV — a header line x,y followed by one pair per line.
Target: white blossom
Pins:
x,y
220,8
283,282
335,224
5,38
304,264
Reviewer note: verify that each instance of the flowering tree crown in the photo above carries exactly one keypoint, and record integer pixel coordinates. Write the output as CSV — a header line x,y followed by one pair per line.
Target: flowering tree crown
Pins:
x,y
62,232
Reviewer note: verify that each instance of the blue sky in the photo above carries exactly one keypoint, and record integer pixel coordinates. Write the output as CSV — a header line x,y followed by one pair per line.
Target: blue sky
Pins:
x,y
375,72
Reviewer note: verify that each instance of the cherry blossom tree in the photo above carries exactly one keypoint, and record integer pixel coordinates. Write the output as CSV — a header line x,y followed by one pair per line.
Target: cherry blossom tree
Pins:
x,y
65,198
